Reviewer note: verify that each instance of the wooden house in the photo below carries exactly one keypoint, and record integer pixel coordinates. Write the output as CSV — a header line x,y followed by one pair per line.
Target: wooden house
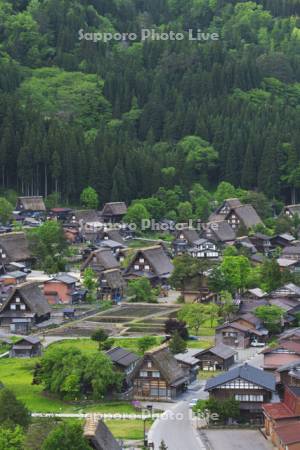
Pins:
x,y
158,376
282,420
224,209
284,353
203,248
254,294
243,216
98,435
125,361
219,231
282,240
24,307
262,243
250,386
291,252
290,374
152,263
14,248
220,357
60,289
113,235
184,239
30,204
238,335
100,260
189,362
27,347
291,210
111,285
113,212
289,290
290,335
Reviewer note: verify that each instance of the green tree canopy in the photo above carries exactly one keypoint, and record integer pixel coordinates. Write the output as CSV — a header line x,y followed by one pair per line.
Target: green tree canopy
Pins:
x,y
89,198
66,436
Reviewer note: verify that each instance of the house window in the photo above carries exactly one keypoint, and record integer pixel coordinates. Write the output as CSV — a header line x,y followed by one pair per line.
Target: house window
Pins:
x,y
149,364
136,267
143,373
155,374
23,307
13,307
249,398
121,258
18,300
141,260
147,267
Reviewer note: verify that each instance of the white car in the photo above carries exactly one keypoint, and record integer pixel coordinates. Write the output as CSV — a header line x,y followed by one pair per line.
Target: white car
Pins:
x,y
193,402
257,344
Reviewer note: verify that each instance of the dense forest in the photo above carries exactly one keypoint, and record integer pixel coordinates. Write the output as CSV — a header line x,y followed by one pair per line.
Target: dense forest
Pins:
x,y
132,117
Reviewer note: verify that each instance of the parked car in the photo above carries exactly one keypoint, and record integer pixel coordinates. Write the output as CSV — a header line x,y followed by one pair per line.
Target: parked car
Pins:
x,y
193,402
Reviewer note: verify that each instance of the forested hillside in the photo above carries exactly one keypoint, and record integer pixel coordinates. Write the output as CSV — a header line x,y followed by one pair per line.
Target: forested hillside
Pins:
x,y
128,119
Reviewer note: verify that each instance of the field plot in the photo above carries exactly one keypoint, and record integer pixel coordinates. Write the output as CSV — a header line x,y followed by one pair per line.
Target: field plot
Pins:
x,y
136,318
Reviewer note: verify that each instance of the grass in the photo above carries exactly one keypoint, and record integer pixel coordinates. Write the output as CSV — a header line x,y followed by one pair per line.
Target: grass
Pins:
x,y
127,429
200,344
206,374
16,374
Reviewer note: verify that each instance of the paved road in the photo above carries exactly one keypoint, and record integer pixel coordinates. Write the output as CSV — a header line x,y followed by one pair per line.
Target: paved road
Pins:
x,y
235,440
176,429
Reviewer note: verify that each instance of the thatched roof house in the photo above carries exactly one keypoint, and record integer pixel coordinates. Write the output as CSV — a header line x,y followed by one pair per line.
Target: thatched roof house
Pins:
x,y
101,260
34,204
14,247
114,211
98,435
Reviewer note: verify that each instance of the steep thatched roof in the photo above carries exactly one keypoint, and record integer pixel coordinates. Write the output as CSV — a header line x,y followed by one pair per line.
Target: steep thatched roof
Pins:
x,y
98,435
166,363
32,296
100,260
86,215
114,209
113,278
248,215
158,259
15,247
221,230
31,204
189,234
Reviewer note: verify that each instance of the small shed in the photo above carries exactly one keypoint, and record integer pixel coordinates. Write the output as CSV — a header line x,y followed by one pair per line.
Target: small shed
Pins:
x,y
28,347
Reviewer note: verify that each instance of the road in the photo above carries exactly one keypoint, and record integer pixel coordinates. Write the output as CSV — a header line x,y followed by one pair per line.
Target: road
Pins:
x,y
236,440
175,427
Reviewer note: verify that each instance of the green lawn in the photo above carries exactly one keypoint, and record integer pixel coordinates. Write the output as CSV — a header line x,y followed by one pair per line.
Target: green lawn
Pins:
x,y
16,374
128,429
206,374
200,344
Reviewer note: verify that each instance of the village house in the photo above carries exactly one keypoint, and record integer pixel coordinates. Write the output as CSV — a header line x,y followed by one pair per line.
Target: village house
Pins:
x,y
111,285
236,214
27,347
290,335
288,290
61,214
113,235
203,248
189,362
292,265
9,279
282,240
254,294
114,246
196,289
289,374
184,239
100,260
60,289
243,242
220,357
240,333
284,353
250,386
224,209
158,376
24,307
152,263
291,210
291,252
125,361
28,205
113,212
220,232
14,248
282,420
262,243
98,435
